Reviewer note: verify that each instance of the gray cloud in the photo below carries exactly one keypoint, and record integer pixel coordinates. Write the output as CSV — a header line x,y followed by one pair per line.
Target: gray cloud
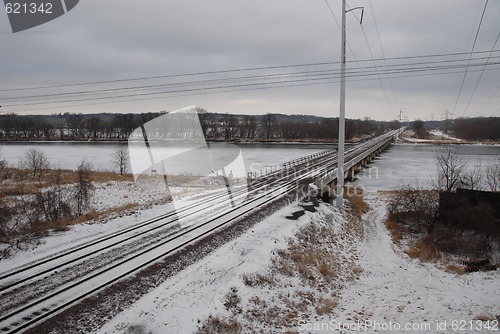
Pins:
x,y
115,39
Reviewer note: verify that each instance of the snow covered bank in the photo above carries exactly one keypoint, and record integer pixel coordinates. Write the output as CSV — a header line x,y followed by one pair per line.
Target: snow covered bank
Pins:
x,y
265,270
237,282
394,288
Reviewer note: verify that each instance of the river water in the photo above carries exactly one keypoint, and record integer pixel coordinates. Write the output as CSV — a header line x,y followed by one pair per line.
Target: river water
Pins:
x,y
68,155
415,164
400,164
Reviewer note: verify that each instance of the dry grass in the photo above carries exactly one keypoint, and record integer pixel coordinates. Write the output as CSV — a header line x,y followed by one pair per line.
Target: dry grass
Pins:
x,y
454,269
485,318
355,196
95,215
110,176
304,278
258,280
63,225
22,182
216,325
395,230
424,250
325,305
309,256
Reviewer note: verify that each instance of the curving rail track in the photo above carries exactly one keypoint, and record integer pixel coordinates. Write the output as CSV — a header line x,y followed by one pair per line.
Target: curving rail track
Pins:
x,y
33,293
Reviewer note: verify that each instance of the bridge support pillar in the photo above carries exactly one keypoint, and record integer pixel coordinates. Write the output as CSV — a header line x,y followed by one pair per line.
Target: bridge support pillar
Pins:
x,y
351,173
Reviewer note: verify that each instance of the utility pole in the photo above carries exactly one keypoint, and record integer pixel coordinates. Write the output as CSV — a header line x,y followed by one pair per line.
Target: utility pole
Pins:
x,y
341,146
340,150
400,120
446,115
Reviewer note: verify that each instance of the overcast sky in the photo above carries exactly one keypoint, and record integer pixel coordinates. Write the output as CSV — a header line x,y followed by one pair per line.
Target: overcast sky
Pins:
x,y
103,40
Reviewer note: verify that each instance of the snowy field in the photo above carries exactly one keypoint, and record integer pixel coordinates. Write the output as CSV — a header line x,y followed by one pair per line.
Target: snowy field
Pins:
x,y
423,297
148,201
392,289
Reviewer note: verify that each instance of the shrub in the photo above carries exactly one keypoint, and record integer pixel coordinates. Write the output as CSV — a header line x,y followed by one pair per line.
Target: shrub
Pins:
x,y
217,325
83,189
258,280
36,161
416,208
232,301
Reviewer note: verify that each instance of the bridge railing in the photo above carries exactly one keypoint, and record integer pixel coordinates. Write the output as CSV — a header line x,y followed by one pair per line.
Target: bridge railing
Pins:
x,y
366,150
289,164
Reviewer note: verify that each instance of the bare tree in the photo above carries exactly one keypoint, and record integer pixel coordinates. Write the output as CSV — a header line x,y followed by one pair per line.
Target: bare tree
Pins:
x,y
5,209
75,122
473,179
416,206
93,125
47,207
36,161
269,123
492,177
250,126
4,172
451,167
120,158
83,189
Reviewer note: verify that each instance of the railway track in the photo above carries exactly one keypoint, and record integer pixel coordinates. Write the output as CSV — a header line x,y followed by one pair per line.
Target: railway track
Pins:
x,y
155,239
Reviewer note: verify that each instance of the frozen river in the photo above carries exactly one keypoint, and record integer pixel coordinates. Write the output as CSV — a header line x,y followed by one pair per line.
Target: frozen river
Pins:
x,y
68,155
416,164
401,163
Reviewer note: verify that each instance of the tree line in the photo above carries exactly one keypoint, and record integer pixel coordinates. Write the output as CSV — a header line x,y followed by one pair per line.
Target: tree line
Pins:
x,y
480,128
216,126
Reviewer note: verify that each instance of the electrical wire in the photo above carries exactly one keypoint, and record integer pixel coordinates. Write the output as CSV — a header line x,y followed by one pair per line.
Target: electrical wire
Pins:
x,y
480,77
472,50
382,50
407,72
400,67
304,76
236,70
354,56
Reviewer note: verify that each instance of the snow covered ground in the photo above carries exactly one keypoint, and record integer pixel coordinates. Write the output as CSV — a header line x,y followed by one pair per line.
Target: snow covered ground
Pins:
x,y
195,293
148,201
396,289
393,290
443,135
436,136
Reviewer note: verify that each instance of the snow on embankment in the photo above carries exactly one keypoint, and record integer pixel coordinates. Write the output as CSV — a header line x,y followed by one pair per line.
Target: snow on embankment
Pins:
x,y
396,290
275,276
319,273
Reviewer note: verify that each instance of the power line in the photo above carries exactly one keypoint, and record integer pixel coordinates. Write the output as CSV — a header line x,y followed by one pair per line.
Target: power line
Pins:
x,y
488,101
228,91
380,79
244,87
394,68
376,68
238,70
480,77
472,50
323,76
382,50
354,56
